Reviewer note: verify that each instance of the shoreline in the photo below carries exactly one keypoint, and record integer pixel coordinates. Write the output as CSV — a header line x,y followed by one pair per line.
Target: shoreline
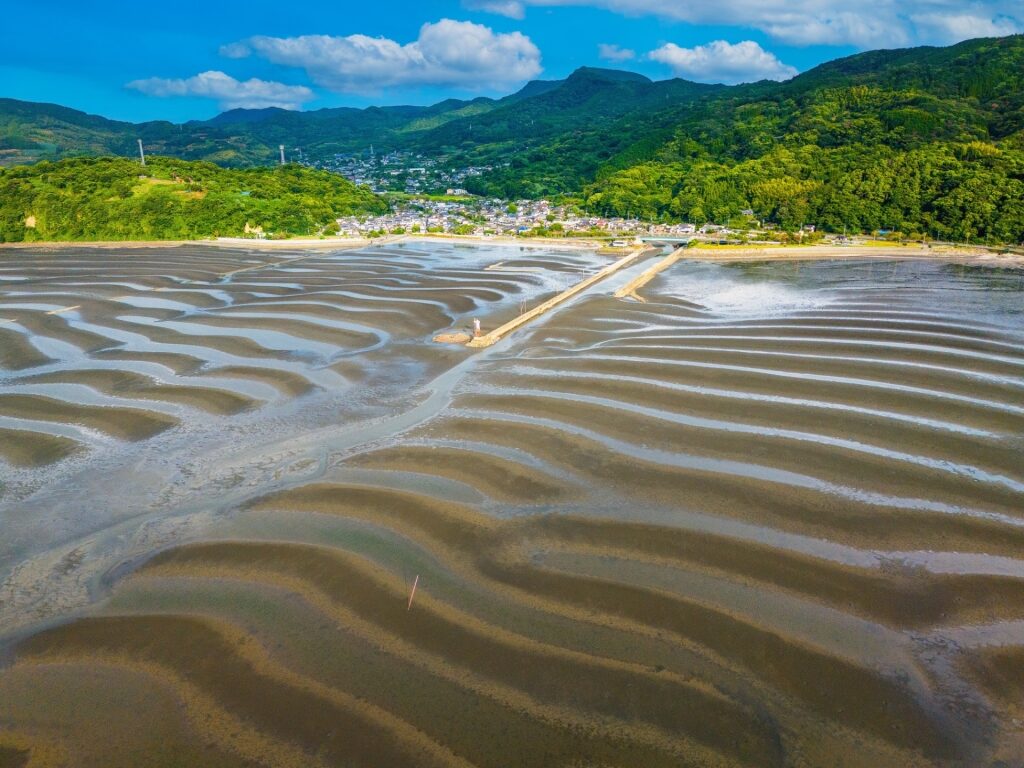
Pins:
x,y
307,243
953,254
972,256
221,242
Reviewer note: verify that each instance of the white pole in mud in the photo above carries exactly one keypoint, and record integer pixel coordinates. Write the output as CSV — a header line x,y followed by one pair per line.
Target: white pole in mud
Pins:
x,y
476,328
413,593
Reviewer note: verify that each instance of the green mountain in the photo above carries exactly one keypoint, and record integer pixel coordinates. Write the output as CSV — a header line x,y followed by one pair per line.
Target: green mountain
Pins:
x,y
555,142
29,132
926,140
83,199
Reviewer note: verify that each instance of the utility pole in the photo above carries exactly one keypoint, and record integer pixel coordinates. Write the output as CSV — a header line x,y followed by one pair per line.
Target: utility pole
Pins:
x,y
142,153
281,147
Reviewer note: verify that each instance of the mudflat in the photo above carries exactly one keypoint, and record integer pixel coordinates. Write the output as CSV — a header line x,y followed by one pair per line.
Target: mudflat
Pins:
x,y
768,516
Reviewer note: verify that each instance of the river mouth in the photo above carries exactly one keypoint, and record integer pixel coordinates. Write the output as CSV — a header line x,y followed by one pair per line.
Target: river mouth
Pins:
x,y
769,516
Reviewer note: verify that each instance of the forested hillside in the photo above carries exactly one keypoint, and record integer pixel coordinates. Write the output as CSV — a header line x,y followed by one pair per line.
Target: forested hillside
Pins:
x,y
928,141
117,199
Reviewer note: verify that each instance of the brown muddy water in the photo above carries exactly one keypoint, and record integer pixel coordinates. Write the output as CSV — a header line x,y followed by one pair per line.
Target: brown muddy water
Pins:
x,y
774,516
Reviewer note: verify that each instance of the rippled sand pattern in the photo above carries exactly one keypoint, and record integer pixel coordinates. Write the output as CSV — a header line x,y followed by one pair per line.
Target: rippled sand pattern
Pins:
x,y
99,345
770,517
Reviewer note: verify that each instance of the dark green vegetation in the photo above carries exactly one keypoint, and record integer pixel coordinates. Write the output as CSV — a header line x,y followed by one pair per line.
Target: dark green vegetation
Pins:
x,y
116,199
927,141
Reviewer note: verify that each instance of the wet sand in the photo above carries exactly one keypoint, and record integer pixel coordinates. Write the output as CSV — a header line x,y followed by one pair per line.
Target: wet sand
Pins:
x,y
20,448
771,516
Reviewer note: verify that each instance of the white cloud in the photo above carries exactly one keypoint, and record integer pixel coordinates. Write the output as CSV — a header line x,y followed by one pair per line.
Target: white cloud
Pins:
x,y
610,52
950,28
722,62
229,92
865,24
235,51
512,9
863,30
450,53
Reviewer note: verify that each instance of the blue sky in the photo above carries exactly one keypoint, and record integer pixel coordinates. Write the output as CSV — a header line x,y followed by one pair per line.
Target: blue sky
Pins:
x,y
191,60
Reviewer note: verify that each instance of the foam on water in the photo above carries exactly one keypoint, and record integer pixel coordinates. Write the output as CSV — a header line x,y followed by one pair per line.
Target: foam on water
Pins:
x,y
761,299
773,289
735,295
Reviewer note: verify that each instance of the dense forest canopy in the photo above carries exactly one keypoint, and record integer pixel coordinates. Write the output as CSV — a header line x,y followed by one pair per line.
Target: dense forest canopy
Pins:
x,y
169,199
925,140
972,190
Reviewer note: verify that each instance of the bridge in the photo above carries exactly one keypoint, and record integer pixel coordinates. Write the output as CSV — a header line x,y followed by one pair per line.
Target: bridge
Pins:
x,y
678,241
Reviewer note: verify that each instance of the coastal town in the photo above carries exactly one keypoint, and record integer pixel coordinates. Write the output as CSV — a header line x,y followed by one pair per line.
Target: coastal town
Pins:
x,y
429,196
495,217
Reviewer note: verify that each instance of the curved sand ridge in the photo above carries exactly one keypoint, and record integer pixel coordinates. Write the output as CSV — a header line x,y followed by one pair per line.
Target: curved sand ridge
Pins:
x,y
770,517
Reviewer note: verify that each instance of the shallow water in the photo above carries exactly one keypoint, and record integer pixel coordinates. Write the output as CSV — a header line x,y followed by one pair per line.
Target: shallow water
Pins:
x,y
771,516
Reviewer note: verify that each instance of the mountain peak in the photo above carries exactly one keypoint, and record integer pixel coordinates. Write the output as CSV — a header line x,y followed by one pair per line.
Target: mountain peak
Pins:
x,y
607,75
533,88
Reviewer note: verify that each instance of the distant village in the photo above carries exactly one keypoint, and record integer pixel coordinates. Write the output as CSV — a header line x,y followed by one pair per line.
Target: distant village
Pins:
x,y
541,218
413,174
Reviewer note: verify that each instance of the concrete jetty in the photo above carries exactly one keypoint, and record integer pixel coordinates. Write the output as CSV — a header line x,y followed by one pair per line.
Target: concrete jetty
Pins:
x,y
630,289
490,338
